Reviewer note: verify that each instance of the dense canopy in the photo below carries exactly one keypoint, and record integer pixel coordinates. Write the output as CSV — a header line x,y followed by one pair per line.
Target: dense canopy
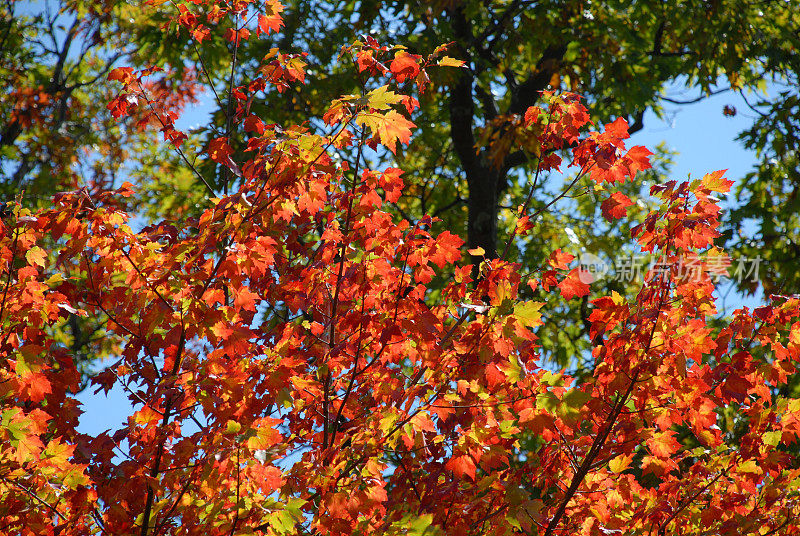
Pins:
x,y
346,301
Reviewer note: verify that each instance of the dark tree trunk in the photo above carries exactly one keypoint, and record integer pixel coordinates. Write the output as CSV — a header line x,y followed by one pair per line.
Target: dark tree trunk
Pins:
x,y
485,181
482,179
482,206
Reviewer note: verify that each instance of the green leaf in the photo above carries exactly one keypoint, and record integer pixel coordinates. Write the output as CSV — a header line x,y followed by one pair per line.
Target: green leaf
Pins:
x,y
232,427
576,398
528,313
548,401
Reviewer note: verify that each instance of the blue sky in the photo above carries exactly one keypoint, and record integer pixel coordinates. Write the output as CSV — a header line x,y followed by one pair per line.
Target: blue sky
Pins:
x,y
701,135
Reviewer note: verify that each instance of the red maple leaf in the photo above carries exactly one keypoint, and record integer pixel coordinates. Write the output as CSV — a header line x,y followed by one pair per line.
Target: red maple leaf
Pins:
x,y
219,150
462,465
404,66
560,260
638,158
615,206
574,284
618,129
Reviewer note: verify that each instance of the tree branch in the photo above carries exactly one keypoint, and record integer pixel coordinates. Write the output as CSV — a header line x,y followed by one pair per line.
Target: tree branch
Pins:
x,y
527,93
462,107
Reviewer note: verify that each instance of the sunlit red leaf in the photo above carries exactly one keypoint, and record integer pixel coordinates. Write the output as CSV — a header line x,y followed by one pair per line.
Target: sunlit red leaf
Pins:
x,y
575,284
405,66
219,150
615,206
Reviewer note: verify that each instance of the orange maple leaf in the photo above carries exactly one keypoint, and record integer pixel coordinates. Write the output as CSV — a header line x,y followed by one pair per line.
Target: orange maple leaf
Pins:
x,y
663,445
404,66
390,127
270,21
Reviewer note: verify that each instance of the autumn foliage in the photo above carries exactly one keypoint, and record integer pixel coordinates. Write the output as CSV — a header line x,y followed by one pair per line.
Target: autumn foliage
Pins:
x,y
301,360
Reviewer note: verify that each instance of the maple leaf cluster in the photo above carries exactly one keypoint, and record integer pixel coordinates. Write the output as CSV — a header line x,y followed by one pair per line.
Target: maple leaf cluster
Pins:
x,y
291,370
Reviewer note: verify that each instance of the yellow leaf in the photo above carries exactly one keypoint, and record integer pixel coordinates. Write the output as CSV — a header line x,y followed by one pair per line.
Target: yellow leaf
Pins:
x,y
381,98
528,313
750,466
36,255
232,427
620,463
450,62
